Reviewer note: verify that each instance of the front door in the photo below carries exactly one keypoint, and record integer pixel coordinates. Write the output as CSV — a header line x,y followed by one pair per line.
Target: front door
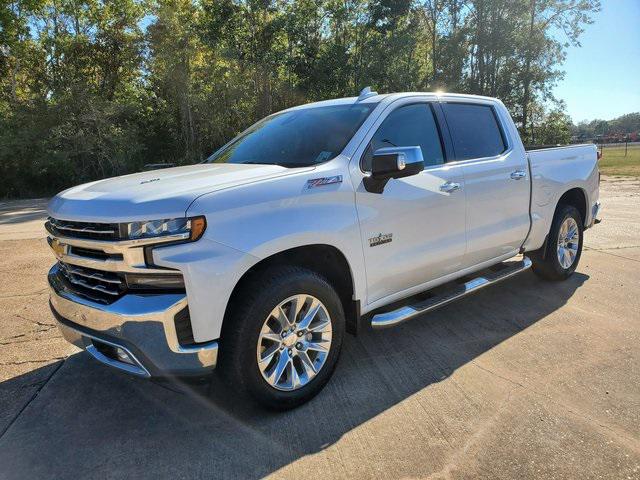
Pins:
x,y
414,231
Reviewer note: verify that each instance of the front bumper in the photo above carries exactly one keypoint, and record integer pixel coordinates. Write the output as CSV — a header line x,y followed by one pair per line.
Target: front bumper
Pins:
x,y
141,326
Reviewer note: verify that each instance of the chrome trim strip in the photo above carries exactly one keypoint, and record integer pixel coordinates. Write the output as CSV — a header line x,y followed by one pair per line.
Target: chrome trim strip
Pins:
x,y
85,230
116,246
97,288
132,253
93,276
108,265
137,369
402,314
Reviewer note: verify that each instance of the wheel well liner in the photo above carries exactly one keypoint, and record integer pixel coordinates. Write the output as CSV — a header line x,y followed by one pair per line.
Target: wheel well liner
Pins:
x,y
576,198
325,260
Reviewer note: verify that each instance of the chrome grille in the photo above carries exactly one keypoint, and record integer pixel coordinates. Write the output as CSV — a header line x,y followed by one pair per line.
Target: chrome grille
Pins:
x,y
94,231
95,260
104,287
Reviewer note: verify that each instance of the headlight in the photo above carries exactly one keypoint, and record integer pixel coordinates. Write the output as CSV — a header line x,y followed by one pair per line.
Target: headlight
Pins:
x,y
191,228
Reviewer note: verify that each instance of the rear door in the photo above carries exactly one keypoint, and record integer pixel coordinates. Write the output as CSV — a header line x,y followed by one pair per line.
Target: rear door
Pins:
x,y
497,187
414,231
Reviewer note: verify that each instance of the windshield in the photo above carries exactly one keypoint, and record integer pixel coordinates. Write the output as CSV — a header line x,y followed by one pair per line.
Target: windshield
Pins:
x,y
298,138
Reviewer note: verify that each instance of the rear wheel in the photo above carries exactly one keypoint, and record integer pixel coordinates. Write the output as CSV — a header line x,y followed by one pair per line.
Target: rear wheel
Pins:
x,y
283,338
563,248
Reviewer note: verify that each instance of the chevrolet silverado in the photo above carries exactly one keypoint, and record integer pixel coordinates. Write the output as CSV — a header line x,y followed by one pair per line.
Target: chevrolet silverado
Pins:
x,y
311,223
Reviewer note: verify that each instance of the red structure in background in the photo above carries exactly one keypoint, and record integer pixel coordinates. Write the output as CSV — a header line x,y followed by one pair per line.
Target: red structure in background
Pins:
x,y
617,137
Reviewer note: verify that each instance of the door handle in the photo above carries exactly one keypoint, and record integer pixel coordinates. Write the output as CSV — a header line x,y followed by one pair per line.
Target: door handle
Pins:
x,y
449,187
518,174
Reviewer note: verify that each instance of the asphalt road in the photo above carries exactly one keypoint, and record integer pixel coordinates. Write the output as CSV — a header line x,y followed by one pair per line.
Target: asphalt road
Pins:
x,y
526,379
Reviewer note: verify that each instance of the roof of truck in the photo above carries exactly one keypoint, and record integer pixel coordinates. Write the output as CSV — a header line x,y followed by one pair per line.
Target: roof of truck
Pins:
x,y
377,98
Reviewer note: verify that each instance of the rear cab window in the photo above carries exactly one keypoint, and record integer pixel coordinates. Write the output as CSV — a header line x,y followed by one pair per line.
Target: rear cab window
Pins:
x,y
475,130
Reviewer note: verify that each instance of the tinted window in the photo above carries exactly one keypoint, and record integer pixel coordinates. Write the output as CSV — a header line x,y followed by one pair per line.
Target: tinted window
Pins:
x,y
298,138
474,130
408,126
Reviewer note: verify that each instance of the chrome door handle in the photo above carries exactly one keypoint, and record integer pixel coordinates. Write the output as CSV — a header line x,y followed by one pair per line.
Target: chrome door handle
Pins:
x,y
518,174
449,187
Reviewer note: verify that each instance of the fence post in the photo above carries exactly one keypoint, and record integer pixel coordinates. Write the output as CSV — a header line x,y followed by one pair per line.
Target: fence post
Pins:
x,y
626,145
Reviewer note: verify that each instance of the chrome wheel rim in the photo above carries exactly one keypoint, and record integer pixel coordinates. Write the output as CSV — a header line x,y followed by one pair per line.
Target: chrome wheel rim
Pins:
x,y
294,342
568,240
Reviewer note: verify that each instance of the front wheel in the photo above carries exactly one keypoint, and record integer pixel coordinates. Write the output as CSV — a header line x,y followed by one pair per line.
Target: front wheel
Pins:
x,y
564,246
283,337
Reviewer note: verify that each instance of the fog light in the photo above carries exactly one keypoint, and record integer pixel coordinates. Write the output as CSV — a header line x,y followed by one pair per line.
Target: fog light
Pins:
x,y
123,356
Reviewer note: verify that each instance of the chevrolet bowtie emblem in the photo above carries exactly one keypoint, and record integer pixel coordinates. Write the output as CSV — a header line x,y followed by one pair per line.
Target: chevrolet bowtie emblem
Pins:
x,y
58,248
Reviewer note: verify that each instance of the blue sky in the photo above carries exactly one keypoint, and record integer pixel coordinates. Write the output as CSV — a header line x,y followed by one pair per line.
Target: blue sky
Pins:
x,y
602,78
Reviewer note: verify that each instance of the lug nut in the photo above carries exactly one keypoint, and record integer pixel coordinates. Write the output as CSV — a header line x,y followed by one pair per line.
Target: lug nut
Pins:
x,y
299,346
300,333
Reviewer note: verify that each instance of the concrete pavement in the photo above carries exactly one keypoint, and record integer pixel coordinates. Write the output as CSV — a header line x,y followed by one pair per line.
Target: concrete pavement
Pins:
x,y
526,379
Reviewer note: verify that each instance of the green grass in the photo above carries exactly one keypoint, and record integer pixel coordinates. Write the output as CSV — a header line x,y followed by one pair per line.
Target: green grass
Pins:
x,y
614,162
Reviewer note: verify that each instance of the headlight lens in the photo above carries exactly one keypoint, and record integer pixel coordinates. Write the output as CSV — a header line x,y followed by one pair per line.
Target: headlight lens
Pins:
x,y
192,228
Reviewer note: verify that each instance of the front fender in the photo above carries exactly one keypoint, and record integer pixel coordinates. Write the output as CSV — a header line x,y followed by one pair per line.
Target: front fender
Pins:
x,y
267,218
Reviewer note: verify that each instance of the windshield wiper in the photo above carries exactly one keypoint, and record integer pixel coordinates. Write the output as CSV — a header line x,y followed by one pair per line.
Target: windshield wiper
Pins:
x,y
293,165
286,165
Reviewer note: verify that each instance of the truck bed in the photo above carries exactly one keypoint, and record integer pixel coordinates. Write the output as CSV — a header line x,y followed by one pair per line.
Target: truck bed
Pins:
x,y
554,171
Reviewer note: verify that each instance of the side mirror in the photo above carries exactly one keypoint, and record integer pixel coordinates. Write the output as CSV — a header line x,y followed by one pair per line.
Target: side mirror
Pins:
x,y
393,162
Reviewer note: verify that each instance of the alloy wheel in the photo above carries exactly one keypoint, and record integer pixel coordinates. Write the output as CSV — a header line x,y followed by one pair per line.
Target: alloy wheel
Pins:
x,y
568,241
294,342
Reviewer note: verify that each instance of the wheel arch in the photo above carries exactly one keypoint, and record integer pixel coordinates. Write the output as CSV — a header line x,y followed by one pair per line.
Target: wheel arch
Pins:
x,y
576,197
326,260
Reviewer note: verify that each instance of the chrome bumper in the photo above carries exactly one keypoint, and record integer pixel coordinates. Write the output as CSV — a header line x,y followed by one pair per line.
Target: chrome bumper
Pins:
x,y
595,212
141,326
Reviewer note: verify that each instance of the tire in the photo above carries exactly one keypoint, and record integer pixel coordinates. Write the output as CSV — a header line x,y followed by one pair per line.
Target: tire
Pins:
x,y
251,324
546,262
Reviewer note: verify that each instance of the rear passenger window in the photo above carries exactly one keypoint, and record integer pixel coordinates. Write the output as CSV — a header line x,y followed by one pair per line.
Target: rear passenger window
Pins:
x,y
408,126
474,130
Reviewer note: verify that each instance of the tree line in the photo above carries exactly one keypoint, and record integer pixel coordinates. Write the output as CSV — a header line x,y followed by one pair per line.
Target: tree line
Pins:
x,y
620,128
94,88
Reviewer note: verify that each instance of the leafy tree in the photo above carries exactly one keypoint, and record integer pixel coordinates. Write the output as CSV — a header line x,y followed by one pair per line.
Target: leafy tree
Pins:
x,y
621,126
551,128
94,88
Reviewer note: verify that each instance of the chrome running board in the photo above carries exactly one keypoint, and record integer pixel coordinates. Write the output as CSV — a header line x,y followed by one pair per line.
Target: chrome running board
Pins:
x,y
407,312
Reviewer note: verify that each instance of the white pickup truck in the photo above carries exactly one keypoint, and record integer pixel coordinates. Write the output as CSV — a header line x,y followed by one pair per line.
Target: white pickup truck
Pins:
x,y
307,225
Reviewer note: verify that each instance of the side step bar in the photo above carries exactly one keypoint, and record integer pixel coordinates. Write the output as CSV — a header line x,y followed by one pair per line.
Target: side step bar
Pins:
x,y
407,312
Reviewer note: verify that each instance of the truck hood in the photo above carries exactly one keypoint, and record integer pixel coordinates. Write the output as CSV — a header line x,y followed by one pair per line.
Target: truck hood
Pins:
x,y
155,194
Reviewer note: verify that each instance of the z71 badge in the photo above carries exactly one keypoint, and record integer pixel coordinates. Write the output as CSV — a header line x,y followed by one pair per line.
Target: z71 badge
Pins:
x,y
319,182
380,239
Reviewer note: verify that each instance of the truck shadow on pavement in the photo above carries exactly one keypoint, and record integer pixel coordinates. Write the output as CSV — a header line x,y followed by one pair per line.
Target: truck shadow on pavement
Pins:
x,y
88,418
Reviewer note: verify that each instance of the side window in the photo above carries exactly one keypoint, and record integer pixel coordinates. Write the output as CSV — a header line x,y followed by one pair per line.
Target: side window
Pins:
x,y
474,130
408,126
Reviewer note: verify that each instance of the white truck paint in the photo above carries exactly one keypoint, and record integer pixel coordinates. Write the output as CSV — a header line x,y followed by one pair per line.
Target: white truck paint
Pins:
x,y
504,205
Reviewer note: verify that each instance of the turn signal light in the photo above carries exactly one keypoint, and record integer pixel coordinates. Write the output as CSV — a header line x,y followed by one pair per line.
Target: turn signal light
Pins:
x,y
198,226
